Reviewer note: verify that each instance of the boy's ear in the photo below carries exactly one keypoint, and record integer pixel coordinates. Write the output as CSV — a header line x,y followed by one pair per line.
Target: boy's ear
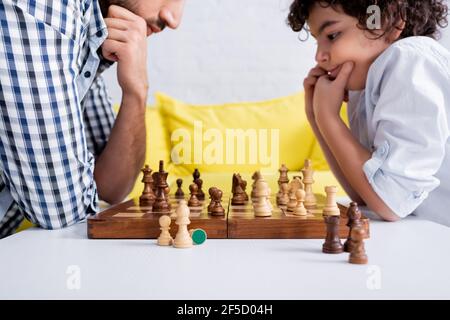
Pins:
x,y
396,31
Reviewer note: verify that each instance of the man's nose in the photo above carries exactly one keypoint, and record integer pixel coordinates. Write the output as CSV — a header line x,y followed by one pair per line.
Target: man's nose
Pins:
x,y
172,18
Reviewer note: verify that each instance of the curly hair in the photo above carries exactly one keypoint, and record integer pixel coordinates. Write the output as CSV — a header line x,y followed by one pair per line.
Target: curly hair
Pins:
x,y
422,18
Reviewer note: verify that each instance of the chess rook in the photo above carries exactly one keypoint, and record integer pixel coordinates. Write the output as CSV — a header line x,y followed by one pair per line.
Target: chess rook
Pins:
x,y
331,208
332,241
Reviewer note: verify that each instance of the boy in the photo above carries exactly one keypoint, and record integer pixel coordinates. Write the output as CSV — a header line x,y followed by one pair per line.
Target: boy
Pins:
x,y
395,158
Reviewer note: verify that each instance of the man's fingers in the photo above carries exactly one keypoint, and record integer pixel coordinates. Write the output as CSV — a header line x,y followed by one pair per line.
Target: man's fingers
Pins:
x,y
118,35
115,23
111,49
115,11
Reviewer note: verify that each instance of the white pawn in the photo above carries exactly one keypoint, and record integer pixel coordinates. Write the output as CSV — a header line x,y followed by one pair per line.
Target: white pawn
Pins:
x,y
300,209
165,239
261,206
183,239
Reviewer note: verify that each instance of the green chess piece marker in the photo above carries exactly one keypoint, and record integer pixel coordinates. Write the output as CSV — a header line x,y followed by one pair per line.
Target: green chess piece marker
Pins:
x,y
198,236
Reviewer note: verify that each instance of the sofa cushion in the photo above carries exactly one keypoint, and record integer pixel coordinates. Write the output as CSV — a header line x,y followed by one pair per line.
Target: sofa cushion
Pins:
x,y
237,137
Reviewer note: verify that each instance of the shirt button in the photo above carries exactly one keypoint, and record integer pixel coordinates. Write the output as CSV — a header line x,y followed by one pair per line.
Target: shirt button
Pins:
x,y
99,33
87,74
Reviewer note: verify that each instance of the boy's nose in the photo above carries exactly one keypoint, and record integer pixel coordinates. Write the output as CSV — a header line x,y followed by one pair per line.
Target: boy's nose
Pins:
x,y
322,56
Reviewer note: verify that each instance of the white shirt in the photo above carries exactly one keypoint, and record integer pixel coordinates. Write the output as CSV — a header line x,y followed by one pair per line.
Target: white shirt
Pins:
x,y
403,117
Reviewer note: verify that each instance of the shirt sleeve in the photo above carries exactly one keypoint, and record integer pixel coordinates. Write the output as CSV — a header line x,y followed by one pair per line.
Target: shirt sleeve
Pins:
x,y
98,116
410,129
44,156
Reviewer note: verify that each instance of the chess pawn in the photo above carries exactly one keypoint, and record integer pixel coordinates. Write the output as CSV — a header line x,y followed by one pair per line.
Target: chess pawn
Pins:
x,y
283,198
182,238
262,207
300,209
179,194
331,208
165,239
358,253
354,220
332,242
200,193
193,200
148,196
308,172
292,198
283,175
211,204
216,208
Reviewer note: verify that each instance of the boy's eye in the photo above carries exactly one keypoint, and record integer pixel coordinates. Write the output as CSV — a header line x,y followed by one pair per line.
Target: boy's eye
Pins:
x,y
333,36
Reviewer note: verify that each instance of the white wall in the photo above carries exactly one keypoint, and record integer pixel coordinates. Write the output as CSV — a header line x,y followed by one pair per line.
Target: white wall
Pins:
x,y
228,50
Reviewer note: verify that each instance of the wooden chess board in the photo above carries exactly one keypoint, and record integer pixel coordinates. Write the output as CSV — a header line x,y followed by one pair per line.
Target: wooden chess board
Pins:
x,y
131,221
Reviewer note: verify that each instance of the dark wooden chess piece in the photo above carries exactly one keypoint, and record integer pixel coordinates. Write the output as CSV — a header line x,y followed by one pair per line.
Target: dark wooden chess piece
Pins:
x,y
354,220
148,197
211,203
161,204
155,178
238,194
193,200
283,175
332,242
215,208
200,193
358,253
243,184
179,194
199,183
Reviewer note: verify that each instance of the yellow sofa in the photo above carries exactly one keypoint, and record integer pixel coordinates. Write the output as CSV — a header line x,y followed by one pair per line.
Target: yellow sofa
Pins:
x,y
169,115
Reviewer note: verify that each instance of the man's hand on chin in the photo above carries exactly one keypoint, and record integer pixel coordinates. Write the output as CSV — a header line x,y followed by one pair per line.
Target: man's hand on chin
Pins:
x,y
126,44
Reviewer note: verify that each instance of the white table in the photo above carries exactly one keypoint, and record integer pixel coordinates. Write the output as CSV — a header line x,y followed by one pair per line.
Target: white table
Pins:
x,y
407,259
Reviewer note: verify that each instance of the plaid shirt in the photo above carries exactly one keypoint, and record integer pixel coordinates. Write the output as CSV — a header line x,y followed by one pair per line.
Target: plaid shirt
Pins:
x,y
55,115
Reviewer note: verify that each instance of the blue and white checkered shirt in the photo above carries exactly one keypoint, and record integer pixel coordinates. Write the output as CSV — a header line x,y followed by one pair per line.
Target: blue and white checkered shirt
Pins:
x,y
55,115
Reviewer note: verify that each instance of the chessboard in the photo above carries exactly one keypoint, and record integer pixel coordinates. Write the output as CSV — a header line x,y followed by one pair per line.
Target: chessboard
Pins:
x,y
135,220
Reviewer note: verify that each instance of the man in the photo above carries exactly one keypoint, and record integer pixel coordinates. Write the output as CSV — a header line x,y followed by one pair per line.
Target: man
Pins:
x,y
61,148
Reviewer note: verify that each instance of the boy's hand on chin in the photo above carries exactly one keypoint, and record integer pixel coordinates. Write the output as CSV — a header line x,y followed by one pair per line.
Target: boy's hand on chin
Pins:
x,y
329,94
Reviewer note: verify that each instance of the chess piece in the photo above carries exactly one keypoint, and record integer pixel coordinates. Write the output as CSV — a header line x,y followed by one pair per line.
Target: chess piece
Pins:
x,y
354,220
283,198
199,183
193,200
292,203
261,206
182,238
165,239
300,209
200,193
155,178
148,197
211,203
215,208
161,205
243,184
308,172
331,208
238,197
332,242
179,194
358,253
255,177
283,175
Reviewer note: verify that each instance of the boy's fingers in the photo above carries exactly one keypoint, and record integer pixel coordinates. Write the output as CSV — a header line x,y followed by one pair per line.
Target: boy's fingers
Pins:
x,y
118,35
344,74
